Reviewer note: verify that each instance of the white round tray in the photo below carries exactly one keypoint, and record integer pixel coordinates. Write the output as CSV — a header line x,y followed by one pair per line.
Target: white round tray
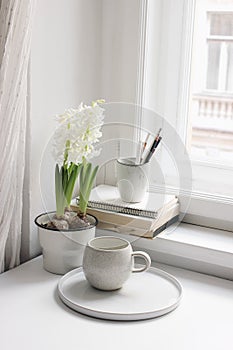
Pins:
x,y
145,295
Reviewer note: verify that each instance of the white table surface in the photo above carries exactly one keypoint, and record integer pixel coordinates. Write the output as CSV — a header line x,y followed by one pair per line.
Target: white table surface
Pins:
x,y
33,317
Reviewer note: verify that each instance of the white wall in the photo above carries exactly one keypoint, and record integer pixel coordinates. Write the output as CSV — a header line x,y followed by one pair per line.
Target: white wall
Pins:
x,y
65,62
120,45
164,40
120,54
81,50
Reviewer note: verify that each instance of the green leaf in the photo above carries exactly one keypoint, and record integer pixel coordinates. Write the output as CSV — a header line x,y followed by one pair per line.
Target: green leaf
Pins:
x,y
81,176
59,191
83,173
87,177
91,180
82,202
70,169
64,178
90,184
71,183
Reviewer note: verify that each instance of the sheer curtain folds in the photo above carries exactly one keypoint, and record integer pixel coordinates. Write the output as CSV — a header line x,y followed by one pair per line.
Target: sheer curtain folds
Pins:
x,y
16,17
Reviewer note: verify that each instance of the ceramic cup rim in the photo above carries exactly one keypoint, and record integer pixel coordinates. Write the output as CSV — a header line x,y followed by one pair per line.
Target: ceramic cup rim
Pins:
x,y
123,161
120,249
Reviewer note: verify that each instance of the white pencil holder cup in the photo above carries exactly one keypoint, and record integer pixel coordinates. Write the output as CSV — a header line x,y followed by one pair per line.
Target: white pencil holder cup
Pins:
x,y
132,180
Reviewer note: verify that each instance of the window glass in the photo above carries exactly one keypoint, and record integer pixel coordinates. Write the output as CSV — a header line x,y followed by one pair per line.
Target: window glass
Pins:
x,y
213,65
221,24
230,68
211,99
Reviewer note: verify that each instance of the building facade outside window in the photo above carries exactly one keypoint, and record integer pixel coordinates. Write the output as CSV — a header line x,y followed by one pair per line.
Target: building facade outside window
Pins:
x,y
211,95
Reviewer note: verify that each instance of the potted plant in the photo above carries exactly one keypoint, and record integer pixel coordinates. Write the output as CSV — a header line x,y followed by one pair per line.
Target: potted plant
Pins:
x,y
64,234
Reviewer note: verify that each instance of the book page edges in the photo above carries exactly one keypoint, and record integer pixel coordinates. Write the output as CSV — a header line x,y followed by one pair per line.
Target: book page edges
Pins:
x,y
123,224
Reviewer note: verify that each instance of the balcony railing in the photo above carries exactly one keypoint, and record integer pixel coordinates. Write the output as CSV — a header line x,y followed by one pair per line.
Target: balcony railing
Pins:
x,y
212,121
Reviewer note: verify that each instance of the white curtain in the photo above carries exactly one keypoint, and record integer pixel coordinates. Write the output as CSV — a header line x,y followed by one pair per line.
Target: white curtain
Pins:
x,y
16,17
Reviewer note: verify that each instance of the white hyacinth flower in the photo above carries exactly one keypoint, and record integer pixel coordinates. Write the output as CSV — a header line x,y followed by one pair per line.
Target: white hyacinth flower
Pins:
x,y
78,132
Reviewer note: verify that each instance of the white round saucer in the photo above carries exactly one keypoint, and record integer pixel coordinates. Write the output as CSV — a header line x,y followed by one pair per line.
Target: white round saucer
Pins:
x,y
145,295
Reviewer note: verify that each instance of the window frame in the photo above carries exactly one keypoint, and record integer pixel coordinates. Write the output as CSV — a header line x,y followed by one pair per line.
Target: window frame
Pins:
x,y
222,39
175,28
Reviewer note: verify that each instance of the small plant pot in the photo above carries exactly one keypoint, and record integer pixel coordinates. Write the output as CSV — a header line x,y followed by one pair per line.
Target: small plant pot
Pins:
x,y
63,250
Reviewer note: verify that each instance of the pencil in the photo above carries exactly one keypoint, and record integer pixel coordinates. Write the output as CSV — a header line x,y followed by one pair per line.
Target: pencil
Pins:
x,y
152,146
145,142
144,147
150,154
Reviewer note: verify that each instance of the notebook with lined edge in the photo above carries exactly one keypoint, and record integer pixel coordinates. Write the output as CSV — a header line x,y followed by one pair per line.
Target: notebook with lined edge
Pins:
x,y
107,198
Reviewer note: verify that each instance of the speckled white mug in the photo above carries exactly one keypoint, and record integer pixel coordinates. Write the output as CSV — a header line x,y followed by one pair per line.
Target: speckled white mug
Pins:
x,y
109,261
132,179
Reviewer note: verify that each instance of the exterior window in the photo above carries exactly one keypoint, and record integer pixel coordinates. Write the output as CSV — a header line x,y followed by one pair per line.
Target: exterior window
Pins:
x,y
188,79
220,54
211,97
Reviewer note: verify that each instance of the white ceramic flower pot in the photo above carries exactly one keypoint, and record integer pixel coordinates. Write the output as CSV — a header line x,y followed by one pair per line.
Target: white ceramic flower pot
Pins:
x,y
63,250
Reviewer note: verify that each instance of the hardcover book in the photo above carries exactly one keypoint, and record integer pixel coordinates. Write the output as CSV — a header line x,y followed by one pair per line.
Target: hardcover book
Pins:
x,y
144,219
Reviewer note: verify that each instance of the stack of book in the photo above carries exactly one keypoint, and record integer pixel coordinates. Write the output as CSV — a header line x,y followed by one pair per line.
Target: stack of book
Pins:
x,y
145,219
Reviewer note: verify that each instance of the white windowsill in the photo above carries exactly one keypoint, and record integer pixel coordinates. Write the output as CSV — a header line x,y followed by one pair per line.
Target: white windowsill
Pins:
x,y
32,315
191,247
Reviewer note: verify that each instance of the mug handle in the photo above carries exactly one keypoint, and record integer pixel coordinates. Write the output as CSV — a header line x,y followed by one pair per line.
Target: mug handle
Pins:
x,y
147,259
